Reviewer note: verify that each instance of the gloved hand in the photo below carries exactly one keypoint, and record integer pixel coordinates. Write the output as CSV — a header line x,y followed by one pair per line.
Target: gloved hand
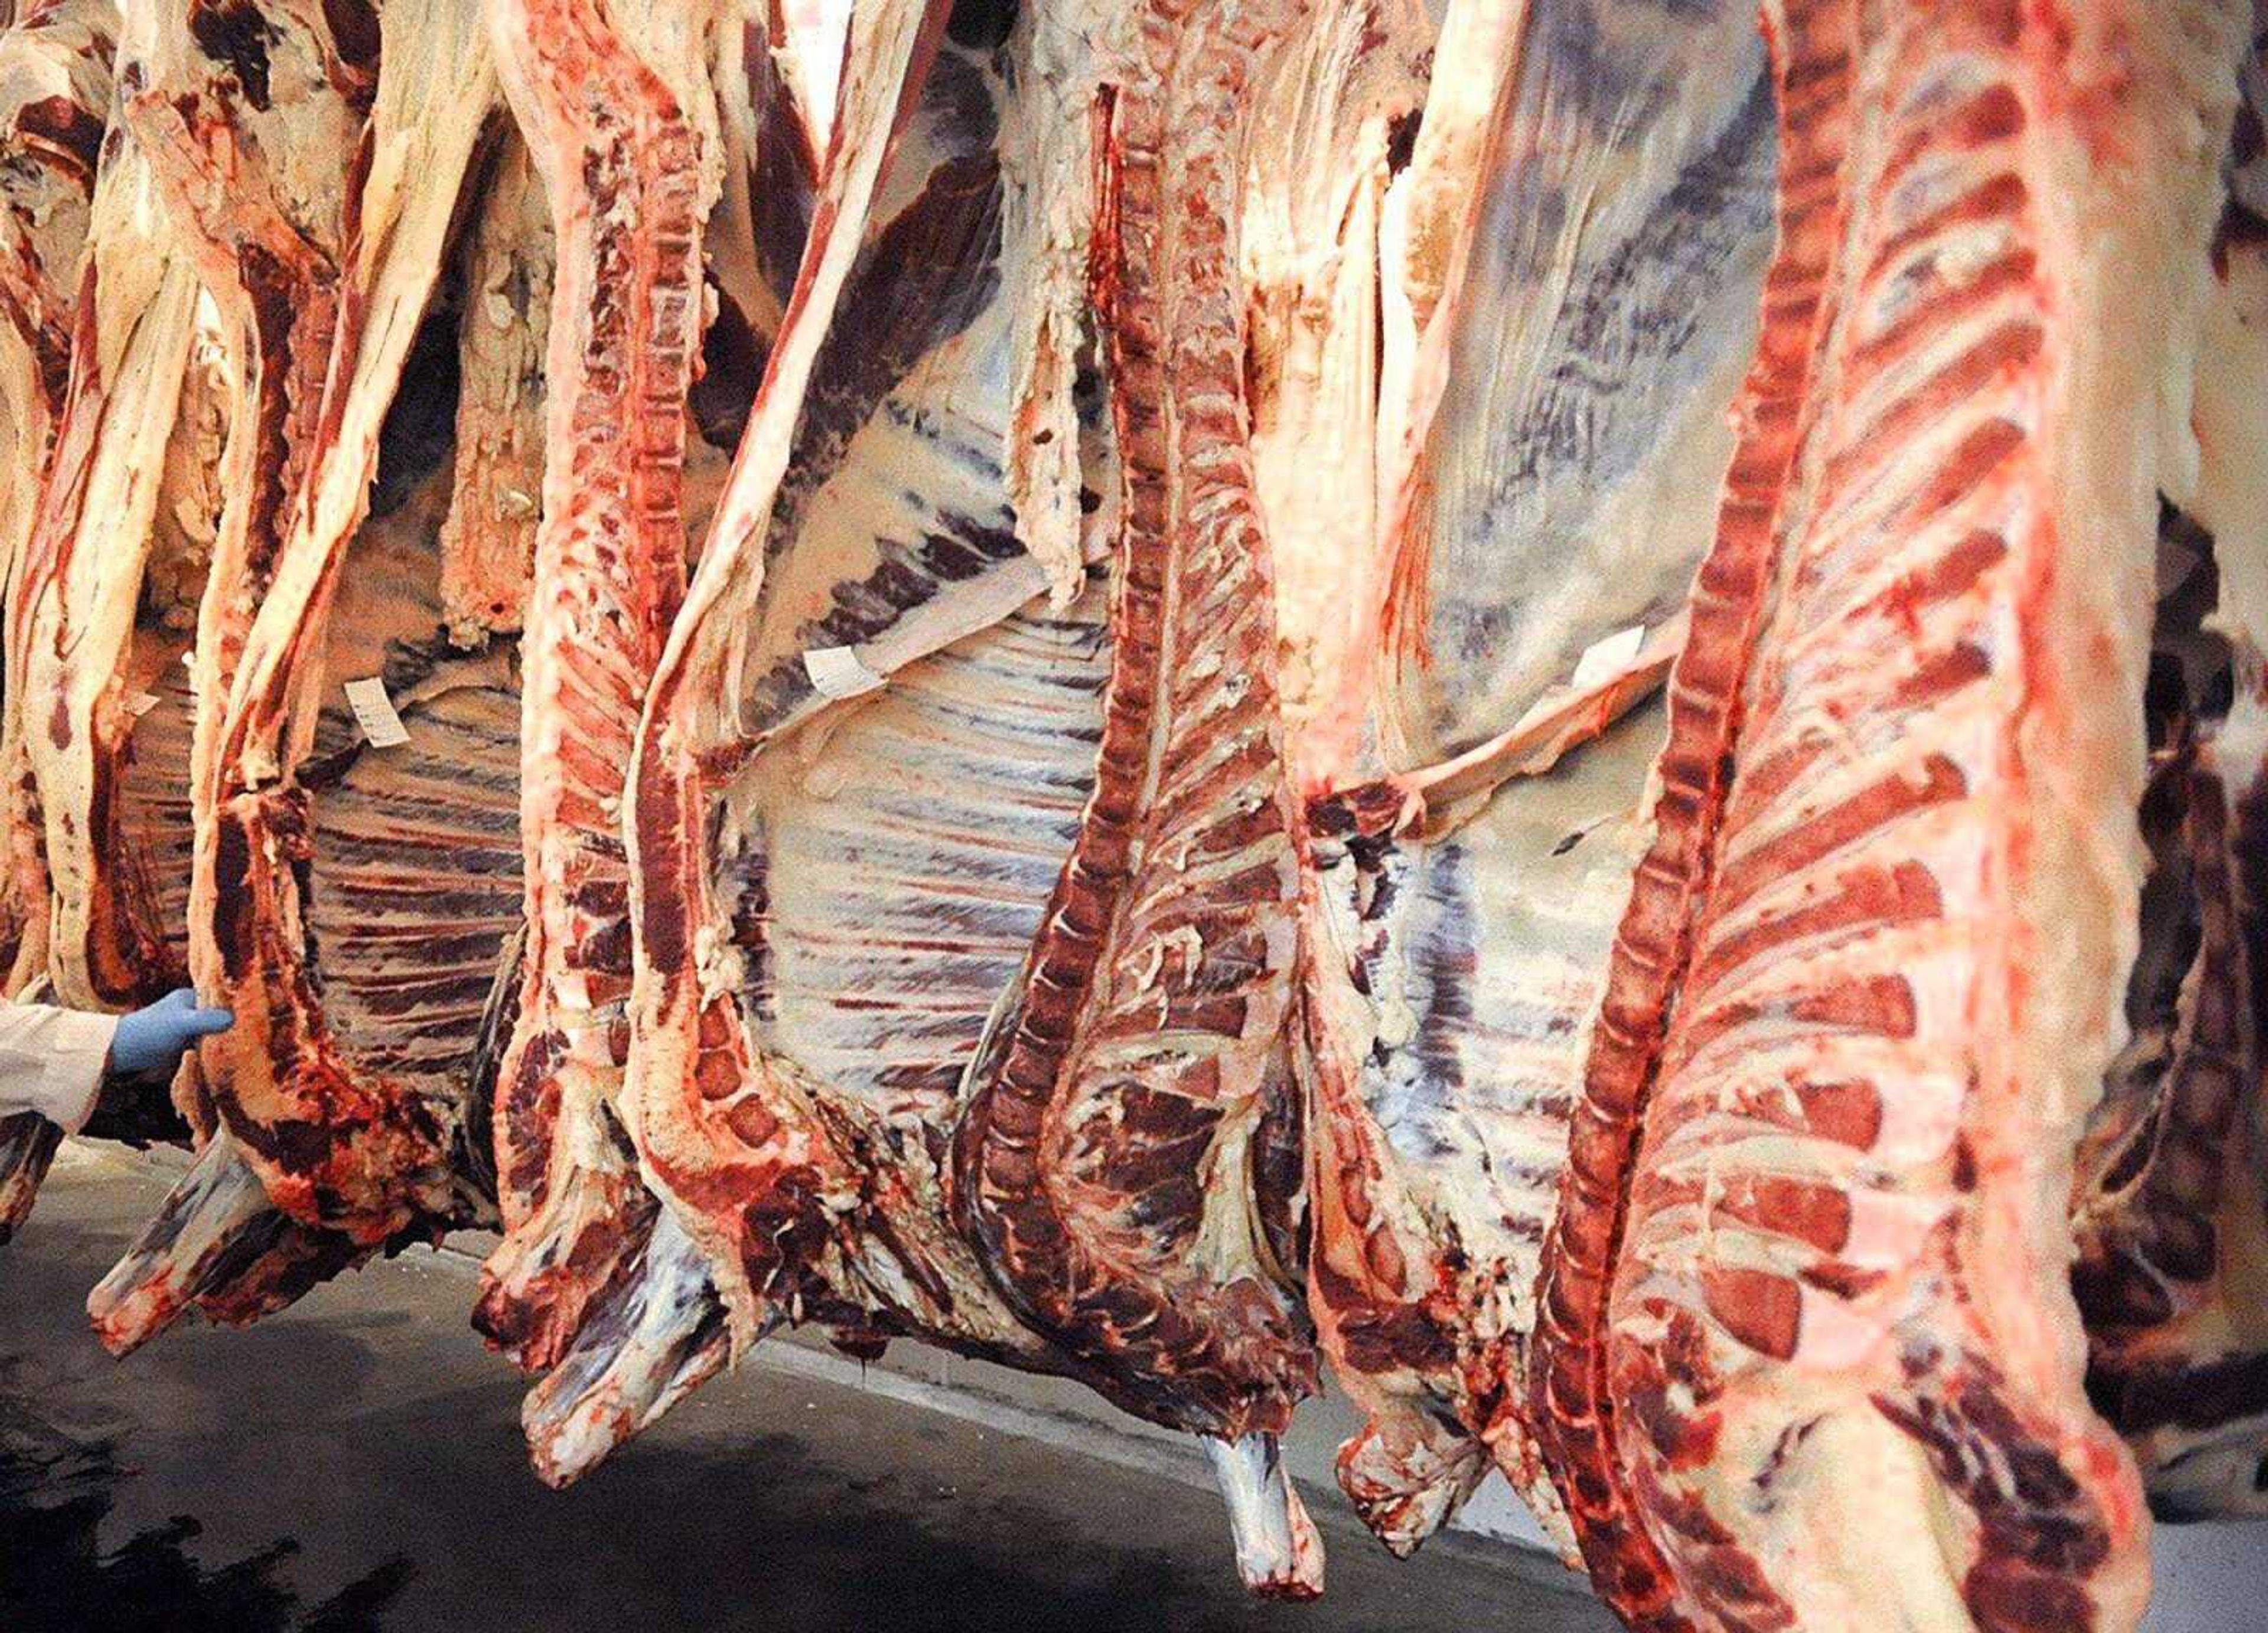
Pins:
x,y
151,1040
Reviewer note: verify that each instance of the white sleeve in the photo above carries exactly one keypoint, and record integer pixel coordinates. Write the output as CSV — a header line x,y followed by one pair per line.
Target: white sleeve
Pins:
x,y
52,1062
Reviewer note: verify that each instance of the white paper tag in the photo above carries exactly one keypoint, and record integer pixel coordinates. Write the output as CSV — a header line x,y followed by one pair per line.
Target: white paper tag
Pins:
x,y
836,672
1609,657
373,711
140,703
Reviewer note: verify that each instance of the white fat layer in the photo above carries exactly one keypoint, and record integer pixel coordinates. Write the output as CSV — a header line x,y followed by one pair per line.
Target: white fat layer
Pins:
x,y
1048,176
2231,498
126,402
1316,178
1568,483
2134,240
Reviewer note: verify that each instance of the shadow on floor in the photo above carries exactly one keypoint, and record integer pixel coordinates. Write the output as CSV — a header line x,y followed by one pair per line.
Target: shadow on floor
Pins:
x,y
56,1572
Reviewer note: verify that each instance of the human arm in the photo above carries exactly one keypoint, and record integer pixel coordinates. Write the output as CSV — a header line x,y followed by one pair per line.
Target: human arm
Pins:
x,y
56,1062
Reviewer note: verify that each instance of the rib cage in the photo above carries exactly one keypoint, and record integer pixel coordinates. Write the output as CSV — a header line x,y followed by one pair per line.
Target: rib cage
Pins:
x,y
890,1012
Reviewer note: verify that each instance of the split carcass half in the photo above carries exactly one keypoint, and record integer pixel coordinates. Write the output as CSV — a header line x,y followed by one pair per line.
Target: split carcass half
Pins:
x,y
1807,1353
621,118
889,538
584,1217
408,857
351,901
1590,332
2170,1199
887,541
1128,1159
55,93
113,567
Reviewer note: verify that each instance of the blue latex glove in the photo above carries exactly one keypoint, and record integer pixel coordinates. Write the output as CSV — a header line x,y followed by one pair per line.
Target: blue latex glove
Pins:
x,y
151,1040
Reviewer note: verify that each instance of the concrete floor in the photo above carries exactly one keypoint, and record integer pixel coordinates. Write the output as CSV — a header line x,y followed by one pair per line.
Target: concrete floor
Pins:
x,y
355,1465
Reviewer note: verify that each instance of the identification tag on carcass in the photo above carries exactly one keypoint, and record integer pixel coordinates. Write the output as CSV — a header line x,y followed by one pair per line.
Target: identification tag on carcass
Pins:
x,y
836,672
373,711
1608,657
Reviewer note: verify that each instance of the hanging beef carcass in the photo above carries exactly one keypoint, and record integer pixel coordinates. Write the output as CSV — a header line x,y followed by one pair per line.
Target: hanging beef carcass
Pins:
x,y
884,457
882,539
123,531
888,539
348,901
1127,1158
1807,1353
617,110
1585,340
407,863
2171,1195
55,93
1115,1160
54,90
111,573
